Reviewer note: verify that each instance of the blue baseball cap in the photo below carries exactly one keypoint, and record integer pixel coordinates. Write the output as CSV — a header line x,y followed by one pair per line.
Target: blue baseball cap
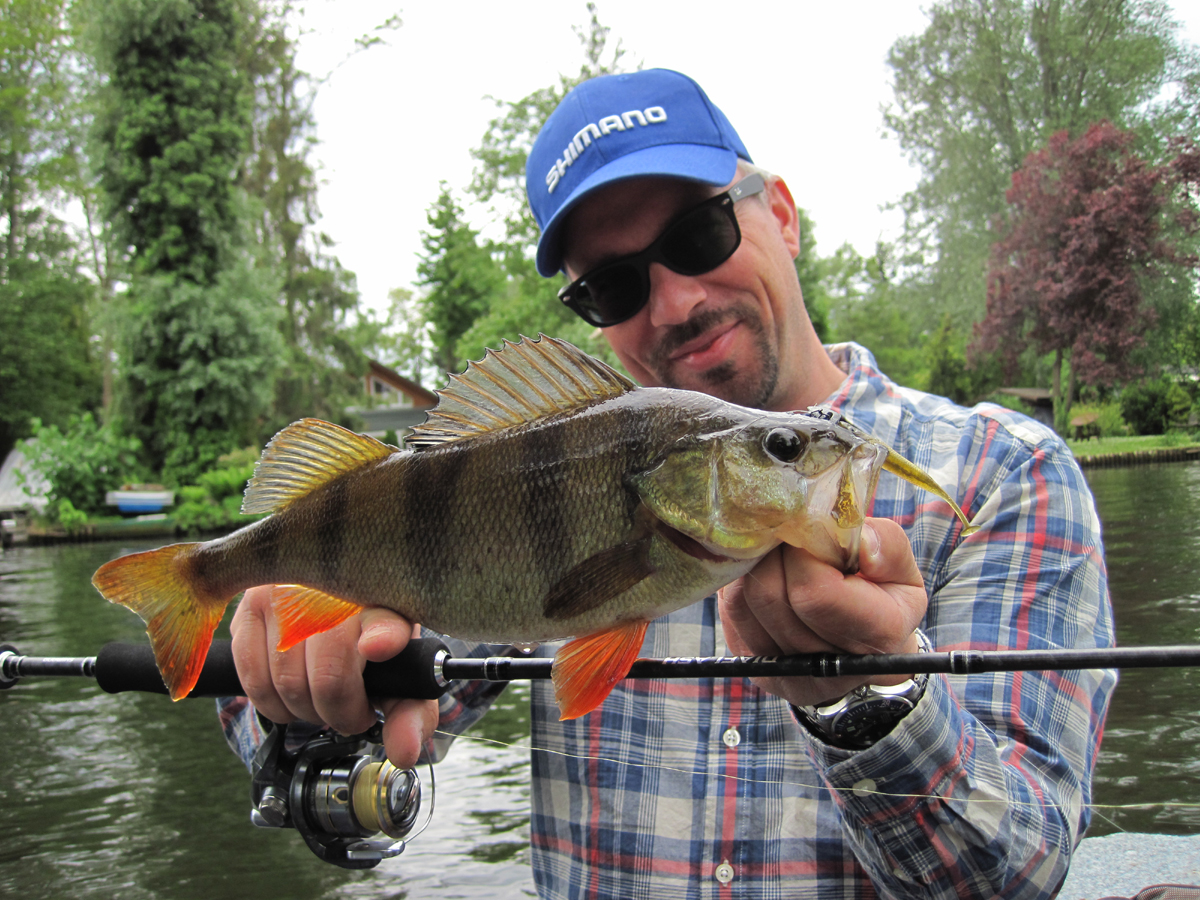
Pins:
x,y
654,122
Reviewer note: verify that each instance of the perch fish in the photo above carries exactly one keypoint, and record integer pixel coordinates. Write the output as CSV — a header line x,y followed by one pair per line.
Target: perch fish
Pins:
x,y
547,496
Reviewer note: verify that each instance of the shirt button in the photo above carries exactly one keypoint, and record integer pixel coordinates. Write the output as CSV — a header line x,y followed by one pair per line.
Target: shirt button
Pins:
x,y
724,872
864,787
731,737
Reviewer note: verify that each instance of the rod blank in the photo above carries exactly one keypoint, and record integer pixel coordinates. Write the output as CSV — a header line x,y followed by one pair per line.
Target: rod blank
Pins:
x,y
425,669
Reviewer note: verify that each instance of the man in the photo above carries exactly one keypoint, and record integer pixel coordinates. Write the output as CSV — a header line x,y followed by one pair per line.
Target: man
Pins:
x,y
682,252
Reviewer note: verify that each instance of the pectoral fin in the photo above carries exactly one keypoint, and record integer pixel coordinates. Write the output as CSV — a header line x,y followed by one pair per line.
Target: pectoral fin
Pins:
x,y
599,578
586,668
302,612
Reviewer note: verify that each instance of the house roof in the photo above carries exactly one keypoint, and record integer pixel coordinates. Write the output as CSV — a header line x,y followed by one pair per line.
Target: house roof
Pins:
x,y
1033,395
422,398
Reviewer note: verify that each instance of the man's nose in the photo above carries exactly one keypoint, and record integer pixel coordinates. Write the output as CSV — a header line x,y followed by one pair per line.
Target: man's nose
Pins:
x,y
673,296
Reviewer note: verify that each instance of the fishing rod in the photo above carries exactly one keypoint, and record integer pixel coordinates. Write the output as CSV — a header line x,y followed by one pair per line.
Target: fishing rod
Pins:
x,y
354,809
426,669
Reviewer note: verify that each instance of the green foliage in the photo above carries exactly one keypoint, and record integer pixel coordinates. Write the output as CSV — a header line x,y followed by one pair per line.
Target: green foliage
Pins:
x,y
1152,406
47,367
499,180
871,306
948,372
989,81
323,355
1109,420
811,271
198,368
172,128
35,82
82,462
526,303
460,276
215,501
70,518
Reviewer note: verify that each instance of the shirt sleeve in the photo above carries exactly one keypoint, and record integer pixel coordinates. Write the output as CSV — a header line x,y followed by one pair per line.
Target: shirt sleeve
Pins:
x,y
985,788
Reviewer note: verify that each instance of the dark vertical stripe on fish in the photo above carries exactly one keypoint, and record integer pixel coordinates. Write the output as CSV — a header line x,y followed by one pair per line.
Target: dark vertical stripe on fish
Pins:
x,y
545,500
330,533
426,505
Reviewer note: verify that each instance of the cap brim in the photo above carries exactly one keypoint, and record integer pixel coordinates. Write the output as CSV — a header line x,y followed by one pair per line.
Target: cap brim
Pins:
x,y
695,162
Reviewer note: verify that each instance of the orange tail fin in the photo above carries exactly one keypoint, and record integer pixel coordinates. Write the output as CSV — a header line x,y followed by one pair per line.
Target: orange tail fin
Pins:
x,y
179,617
586,669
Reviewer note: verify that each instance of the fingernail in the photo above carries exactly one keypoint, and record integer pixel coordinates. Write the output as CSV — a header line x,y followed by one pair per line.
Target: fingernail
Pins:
x,y
870,542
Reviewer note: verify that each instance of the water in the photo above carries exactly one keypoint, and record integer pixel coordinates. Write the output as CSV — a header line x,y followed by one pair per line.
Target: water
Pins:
x,y
134,796
1151,748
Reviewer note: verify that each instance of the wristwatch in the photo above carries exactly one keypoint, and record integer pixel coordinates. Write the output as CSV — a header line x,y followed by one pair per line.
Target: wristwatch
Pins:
x,y
866,714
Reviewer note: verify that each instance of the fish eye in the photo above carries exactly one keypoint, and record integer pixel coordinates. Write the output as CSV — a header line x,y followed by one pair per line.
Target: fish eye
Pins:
x,y
784,444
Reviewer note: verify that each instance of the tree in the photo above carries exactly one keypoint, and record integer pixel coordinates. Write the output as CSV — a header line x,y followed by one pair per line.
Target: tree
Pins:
x,y
322,358
989,81
528,303
460,276
199,336
46,365
47,368
1086,231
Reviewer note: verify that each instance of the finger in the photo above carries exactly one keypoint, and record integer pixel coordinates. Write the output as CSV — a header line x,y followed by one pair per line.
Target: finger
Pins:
x,y
767,619
252,653
868,612
289,675
886,556
745,634
384,634
335,684
407,725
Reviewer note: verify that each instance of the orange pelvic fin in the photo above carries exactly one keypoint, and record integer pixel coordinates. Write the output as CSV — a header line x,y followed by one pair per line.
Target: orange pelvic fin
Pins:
x,y
180,617
302,612
586,669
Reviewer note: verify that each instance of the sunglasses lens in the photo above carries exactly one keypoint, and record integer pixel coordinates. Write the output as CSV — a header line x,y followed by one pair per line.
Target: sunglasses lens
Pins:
x,y
697,243
611,295
701,241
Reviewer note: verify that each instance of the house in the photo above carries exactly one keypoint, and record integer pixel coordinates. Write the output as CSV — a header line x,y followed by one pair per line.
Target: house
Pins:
x,y
1040,400
19,497
395,403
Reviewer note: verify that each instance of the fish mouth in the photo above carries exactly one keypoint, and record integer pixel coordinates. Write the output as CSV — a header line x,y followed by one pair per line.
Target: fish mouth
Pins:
x,y
693,547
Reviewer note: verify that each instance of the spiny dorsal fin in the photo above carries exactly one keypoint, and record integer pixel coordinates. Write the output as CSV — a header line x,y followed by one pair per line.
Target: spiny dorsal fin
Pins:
x,y
304,456
520,383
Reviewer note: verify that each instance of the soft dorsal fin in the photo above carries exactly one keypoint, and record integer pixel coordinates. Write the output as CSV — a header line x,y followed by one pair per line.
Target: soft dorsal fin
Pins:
x,y
520,383
304,456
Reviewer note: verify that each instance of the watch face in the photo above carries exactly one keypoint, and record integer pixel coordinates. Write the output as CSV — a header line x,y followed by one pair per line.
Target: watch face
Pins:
x,y
864,723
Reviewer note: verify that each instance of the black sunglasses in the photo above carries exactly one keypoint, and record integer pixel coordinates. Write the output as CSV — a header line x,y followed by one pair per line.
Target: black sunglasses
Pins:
x,y
697,241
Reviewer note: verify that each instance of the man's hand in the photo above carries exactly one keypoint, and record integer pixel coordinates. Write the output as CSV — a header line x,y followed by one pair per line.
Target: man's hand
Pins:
x,y
793,603
320,679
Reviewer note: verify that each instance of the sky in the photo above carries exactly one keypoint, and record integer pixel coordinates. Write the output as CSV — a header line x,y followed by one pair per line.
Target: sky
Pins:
x,y
803,83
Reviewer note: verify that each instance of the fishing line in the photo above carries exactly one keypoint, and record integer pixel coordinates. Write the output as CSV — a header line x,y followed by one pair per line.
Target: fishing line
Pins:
x,y
1095,807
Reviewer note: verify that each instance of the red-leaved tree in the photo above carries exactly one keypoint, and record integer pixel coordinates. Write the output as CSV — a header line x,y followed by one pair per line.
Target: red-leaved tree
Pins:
x,y
1088,221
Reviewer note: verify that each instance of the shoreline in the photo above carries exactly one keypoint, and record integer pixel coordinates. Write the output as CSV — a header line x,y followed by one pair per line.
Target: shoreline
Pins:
x,y
1138,457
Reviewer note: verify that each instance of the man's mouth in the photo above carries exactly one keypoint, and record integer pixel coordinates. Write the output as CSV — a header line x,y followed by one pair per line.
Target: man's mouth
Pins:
x,y
706,350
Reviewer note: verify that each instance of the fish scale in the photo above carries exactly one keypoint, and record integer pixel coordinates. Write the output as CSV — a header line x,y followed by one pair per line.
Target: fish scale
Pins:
x,y
545,497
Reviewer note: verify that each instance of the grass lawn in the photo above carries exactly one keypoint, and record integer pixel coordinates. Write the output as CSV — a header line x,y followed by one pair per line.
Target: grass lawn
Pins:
x,y
1101,446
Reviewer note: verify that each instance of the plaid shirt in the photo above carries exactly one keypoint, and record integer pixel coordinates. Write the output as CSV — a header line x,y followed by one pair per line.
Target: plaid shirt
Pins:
x,y
708,788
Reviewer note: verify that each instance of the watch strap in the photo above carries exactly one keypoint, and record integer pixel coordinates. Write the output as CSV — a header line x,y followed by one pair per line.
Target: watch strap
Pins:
x,y
868,713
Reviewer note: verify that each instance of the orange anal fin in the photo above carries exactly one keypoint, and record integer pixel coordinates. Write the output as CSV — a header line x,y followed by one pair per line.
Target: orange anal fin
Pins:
x,y
302,612
586,669
180,615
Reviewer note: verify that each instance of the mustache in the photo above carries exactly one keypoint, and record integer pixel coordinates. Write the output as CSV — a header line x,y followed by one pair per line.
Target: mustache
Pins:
x,y
680,334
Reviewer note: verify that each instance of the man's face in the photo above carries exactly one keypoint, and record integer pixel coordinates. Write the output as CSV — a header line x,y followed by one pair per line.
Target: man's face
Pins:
x,y
722,332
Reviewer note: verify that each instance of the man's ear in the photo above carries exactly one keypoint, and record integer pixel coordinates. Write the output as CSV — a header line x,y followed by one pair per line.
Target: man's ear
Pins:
x,y
783,208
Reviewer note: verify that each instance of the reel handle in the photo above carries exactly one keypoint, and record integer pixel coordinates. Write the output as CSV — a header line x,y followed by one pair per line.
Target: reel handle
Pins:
x,y
130,667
